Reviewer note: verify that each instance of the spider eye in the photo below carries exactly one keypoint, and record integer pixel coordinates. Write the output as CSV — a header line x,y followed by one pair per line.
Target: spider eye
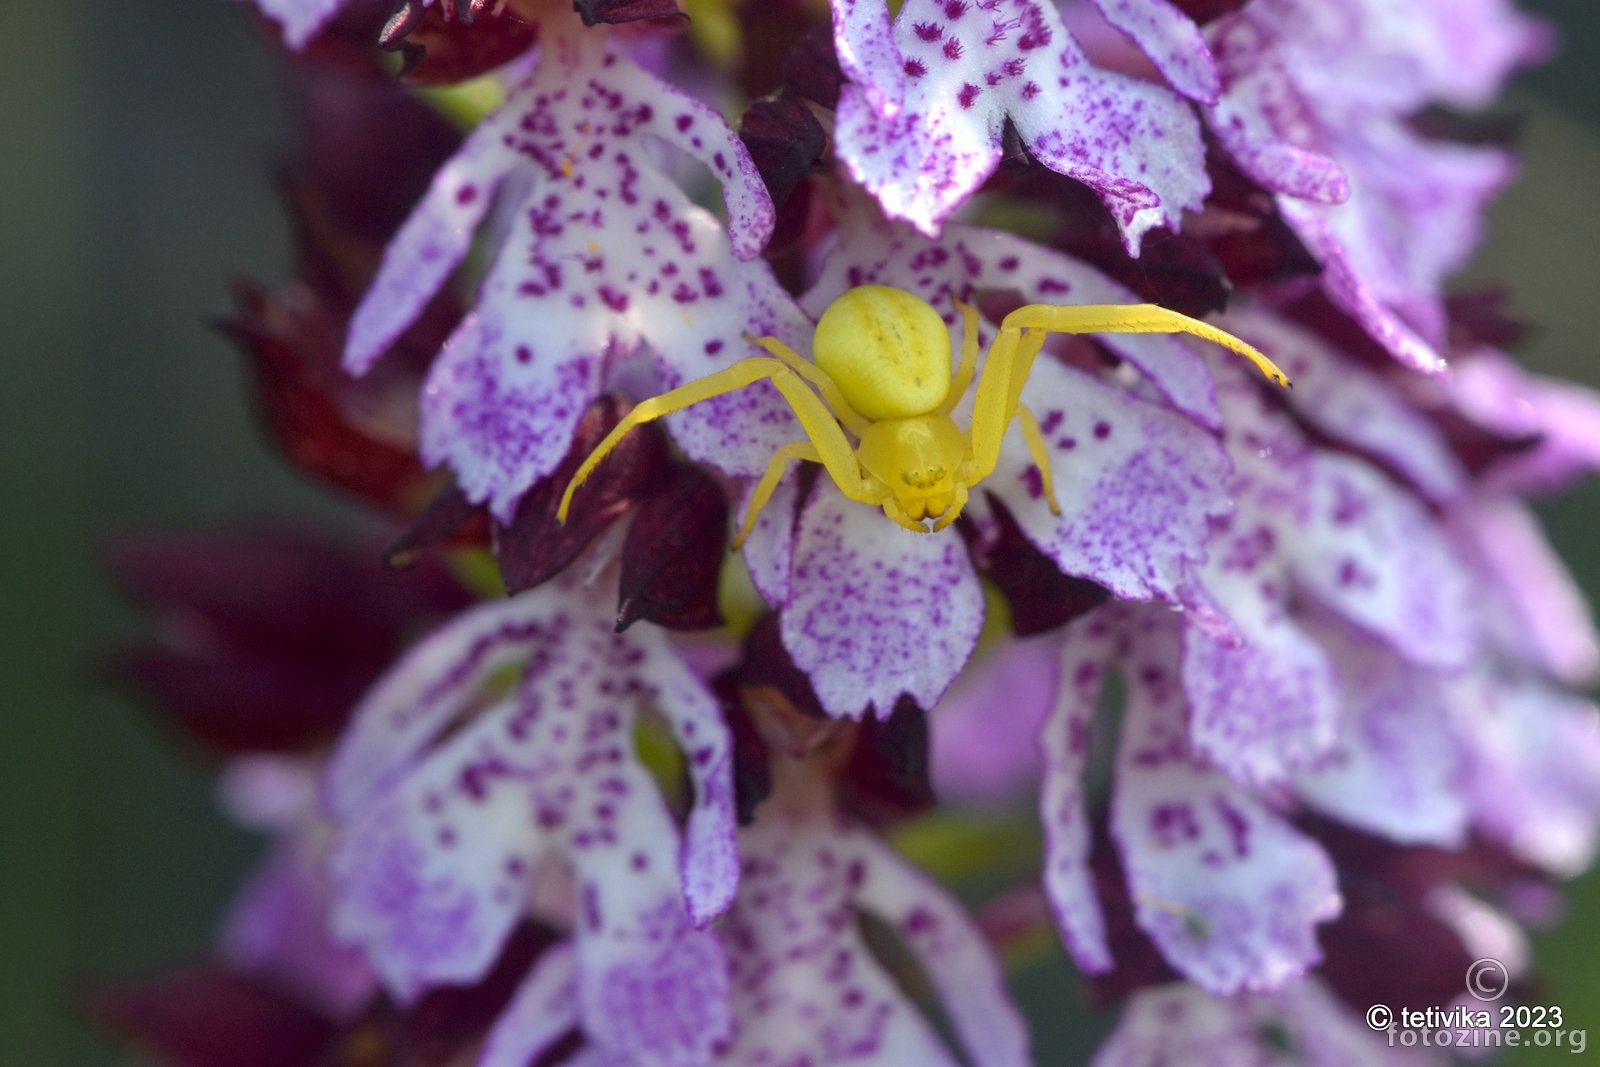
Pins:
x,y
887,350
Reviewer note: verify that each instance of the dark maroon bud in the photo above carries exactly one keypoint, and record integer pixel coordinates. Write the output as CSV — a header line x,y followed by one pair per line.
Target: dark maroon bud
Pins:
x,y
752,773
1041,597
595,12
811,68
533,547
439,47
1179,272
312,412
450,521
1244,230
269,640
768,678
886,780
785,141
674,553
211,1016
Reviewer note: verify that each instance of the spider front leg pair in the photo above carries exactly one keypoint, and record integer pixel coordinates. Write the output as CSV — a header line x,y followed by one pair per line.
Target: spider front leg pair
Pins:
x,y
881,372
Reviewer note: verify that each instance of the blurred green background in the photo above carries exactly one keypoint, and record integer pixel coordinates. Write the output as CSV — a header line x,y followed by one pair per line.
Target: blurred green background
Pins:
x,y
136,150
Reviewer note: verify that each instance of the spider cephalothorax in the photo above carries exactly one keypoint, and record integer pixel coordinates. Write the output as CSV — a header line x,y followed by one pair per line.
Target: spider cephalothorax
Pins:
x,y
880,372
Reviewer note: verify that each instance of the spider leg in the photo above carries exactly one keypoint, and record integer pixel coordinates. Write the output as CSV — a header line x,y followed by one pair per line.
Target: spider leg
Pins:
x,y
833,448
802,450
1006,371
808,370
1041,458
1136,318
969,357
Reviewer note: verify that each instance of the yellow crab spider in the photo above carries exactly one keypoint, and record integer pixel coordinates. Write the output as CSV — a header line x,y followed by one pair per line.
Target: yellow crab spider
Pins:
x,y
880,372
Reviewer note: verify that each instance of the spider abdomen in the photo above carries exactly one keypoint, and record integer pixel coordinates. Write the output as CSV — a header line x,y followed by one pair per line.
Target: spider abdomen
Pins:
x,y
886,349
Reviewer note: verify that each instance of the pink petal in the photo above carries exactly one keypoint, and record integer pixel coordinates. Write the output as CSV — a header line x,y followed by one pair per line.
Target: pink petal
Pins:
x,y
984,746
1063,810
1352,404
1375,555
433,241
1138,486
1171,40
965,69
965,974
1228,891
877,610
1396,770
1302,1024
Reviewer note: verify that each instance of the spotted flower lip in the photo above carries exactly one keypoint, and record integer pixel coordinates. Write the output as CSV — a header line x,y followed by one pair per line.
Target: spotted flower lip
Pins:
x,y
920,116
453,805
601,253
1315,100
870,614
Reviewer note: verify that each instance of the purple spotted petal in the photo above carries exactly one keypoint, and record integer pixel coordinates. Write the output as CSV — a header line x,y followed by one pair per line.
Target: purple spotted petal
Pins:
x,y
603,253
1493,391
1350,291
1171,40
966,68
433,240
1544,616
965,259
863,39
300,19
436,681
1533,775
1264,703
1302,1024
807,988
542,1009
440,848
984,750
1228,891
1351,403
428,877
1375,555
1138,486
877,610
769,551
1396,769
1063,810
959,963
1265,123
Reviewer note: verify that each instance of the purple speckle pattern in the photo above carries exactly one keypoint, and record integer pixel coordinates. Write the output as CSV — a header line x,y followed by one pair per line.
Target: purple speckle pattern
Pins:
x,y
451,803
601,253
1396,768
1138,485
1173,43
966,259
877,611
1136,144
1302,1025
1351,403
1229,892
1088,646
807,990
1315,103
